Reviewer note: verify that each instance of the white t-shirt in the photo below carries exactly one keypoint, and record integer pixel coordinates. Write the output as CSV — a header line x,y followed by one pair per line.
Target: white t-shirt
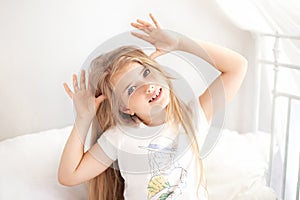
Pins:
x,y
154,163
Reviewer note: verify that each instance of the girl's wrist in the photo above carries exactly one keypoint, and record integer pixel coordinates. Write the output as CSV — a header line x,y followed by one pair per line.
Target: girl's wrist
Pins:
x,y
83,121
176,44
82,126
183,43
179,43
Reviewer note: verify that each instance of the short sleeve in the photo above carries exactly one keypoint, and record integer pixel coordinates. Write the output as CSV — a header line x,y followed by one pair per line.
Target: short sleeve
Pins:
x,y
109,141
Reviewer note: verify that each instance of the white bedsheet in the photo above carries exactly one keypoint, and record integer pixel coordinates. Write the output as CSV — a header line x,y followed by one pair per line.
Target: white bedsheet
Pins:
x,y
235,169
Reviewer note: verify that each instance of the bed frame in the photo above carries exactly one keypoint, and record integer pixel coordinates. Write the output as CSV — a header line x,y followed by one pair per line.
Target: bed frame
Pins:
x,y
275,94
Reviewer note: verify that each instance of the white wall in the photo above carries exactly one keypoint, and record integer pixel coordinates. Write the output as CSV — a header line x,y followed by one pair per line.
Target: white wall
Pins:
x,y
44,42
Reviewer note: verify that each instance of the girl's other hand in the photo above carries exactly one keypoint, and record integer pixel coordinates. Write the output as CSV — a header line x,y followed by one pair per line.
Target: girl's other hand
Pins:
x,y
85,103
161,39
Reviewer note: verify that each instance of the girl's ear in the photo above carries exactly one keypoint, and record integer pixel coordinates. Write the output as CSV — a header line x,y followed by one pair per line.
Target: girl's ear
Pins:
x,y
126,110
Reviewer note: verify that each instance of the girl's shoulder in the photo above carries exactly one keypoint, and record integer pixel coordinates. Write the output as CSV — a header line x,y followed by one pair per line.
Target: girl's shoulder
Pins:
x,y
111,134
118,132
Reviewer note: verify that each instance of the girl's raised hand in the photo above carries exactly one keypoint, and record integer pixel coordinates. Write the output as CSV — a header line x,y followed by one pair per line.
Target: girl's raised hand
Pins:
x,y
84,101
161,39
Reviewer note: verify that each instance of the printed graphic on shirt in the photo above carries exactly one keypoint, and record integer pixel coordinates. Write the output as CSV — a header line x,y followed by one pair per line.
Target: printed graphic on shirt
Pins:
x,y
167,176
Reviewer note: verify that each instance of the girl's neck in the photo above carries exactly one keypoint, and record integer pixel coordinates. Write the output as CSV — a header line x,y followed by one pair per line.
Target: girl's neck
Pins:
x,y
154,120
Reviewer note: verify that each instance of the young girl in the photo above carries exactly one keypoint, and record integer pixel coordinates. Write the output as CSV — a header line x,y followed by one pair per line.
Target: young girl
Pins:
x,y
147,138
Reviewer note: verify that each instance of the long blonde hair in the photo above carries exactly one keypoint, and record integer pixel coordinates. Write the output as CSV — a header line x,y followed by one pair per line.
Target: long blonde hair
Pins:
x,y
109,185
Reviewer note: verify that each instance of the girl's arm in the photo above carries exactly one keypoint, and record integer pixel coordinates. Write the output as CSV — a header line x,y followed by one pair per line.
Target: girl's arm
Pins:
x,y
76,166
232,65
233,68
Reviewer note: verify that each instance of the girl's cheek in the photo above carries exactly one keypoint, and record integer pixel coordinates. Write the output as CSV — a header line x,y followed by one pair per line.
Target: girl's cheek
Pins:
x,y
132,99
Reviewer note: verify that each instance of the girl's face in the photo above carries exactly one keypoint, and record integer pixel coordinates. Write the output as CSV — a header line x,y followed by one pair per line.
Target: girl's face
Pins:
x,y
143,91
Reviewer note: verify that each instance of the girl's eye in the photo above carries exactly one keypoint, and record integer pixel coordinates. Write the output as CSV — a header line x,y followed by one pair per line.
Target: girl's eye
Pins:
x,y
131,90
146,72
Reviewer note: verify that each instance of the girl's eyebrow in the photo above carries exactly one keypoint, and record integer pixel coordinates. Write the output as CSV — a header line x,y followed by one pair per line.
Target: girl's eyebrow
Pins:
x,y
132,81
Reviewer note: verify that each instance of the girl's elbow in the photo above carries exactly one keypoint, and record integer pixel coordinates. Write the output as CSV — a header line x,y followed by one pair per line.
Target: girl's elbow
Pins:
x,y
63,181
66,180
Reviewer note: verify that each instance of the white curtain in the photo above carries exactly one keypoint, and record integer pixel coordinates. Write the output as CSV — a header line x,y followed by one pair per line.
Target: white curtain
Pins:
x,y
281,17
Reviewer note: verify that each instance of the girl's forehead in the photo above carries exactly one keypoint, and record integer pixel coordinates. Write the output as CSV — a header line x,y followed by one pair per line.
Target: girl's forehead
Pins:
x,y
128,71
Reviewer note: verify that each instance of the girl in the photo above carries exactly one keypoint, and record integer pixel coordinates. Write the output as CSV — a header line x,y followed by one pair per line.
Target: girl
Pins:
x,y
147,138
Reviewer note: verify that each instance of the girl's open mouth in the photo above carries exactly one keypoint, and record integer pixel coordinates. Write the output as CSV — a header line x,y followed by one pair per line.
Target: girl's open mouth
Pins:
x,y
157,96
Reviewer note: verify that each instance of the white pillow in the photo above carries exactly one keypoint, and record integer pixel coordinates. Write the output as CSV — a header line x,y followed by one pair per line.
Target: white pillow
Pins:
x,y
236,168
29,165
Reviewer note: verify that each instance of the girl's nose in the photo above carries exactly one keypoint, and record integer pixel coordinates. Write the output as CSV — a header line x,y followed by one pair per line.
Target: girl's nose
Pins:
x,y
150,89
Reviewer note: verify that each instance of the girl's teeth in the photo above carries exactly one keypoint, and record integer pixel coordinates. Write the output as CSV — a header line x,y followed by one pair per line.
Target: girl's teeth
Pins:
x,y
156,95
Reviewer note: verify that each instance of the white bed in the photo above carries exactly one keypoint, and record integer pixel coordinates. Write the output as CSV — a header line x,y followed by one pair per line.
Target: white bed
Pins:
x,y
236,168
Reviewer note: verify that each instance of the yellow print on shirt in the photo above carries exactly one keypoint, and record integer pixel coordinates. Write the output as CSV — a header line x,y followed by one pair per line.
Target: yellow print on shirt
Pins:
x,y
157,184
167,176
167,186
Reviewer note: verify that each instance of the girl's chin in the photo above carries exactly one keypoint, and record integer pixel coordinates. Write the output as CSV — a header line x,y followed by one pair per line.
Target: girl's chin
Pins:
x,y
156,108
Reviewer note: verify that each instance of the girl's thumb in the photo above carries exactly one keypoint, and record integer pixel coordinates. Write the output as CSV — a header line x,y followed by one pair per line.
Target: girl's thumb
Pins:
x,y
99,99
155,54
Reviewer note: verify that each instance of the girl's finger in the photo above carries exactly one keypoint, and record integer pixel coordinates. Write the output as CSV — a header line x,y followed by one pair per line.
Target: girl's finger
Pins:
x,y
141,27
75,83
68,90
144,22
135,25
155,21
82,80
143,37
89,87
